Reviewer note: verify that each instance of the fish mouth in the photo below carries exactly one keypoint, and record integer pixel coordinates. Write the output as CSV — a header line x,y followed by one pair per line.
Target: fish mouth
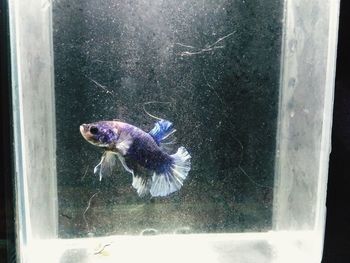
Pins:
x,y
84,130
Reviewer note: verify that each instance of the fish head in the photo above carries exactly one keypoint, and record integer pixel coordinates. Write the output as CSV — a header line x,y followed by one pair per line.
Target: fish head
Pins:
x,y
102,134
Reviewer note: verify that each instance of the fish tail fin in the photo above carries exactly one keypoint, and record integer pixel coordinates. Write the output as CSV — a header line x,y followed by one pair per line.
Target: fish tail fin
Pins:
x,y
172,177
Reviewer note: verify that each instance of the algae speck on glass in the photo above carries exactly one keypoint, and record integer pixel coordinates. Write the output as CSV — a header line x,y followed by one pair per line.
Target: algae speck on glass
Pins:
x,y
209,67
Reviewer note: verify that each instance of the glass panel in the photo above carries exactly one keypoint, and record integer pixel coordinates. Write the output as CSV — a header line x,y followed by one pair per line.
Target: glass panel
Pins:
x,y
210,67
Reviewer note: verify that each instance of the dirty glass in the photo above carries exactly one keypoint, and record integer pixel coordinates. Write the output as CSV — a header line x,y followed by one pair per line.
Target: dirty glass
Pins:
x,y
210,67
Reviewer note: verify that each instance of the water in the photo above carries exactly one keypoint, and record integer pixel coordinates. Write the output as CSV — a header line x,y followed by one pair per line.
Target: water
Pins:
x,y
216,64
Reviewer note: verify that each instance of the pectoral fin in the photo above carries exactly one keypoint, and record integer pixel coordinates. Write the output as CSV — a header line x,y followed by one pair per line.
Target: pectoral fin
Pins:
x,y
124,143
105,166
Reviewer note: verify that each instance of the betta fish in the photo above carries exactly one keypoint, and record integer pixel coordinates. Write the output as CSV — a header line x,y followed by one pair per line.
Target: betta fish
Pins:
x,y
144,155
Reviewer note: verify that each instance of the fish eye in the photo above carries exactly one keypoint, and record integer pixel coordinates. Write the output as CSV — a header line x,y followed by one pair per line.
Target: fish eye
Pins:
x,y
93,130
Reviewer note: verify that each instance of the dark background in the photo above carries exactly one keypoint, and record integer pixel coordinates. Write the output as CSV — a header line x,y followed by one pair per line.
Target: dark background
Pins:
x,y
7,233
337,241
113,56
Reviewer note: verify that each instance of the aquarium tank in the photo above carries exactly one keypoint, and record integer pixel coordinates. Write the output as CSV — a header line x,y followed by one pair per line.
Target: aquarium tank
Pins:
x,y
162,130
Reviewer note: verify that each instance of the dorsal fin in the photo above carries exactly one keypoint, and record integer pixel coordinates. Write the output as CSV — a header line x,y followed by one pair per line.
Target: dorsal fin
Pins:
x,y
162,129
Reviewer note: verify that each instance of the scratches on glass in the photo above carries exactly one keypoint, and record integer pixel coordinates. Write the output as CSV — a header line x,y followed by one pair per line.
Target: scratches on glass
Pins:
x,y
206,49
87,208
104,88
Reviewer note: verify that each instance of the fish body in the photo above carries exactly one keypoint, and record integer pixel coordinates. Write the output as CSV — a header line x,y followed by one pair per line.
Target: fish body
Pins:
x,y
143,154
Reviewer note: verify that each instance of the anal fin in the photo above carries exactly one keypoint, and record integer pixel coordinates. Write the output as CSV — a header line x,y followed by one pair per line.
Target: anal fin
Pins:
x,y
142,184
123,162
141,177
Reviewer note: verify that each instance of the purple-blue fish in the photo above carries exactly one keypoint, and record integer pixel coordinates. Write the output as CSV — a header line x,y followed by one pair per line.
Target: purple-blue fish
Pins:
x,y
143,154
